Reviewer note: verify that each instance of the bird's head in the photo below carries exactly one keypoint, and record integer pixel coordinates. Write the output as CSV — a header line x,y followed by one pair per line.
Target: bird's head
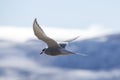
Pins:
x,y
43,51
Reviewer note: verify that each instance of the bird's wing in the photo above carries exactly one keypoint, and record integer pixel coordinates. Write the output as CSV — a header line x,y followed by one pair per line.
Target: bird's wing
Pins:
x,y
71,39
42,36
64,43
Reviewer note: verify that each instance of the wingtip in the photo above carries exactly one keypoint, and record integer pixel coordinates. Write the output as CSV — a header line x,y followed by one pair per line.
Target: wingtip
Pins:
x,y
76,37
81,54
35,20
71,39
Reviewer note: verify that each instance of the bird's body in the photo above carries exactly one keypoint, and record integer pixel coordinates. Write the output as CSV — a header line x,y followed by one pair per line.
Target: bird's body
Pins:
x,y
54,48
57,51
53,51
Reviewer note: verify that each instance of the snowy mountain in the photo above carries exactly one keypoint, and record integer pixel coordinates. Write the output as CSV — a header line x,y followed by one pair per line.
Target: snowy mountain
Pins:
x,y
22,60
103,53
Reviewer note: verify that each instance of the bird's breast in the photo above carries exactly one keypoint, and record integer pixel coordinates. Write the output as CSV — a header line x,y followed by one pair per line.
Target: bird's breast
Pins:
x,y
57,51
53,51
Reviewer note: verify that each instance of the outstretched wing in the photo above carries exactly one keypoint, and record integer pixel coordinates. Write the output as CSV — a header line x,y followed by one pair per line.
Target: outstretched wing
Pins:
x,y
42,36
64,43
71,39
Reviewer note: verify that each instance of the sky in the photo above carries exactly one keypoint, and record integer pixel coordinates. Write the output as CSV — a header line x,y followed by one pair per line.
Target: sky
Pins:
x,y
69,14
60,19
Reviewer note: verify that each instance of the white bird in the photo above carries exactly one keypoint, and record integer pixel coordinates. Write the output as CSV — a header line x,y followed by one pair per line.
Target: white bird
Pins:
x,y
54,48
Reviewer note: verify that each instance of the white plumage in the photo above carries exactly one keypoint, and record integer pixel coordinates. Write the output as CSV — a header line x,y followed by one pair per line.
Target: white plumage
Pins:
x,y
54,48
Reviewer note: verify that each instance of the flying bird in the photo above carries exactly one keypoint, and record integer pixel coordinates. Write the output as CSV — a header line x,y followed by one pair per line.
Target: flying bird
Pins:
x,y
53,48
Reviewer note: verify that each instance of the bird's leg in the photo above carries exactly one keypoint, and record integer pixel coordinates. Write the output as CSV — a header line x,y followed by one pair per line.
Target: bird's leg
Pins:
x,y
41,52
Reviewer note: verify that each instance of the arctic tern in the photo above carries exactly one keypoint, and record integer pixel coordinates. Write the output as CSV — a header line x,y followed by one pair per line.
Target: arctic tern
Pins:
x,y
53,48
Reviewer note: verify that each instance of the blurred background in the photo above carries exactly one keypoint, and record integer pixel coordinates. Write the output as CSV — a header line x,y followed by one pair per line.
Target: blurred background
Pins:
x,y
95,21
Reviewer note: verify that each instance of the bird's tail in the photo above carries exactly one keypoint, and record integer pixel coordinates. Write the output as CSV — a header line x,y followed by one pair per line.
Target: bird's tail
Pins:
x,y
81,54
